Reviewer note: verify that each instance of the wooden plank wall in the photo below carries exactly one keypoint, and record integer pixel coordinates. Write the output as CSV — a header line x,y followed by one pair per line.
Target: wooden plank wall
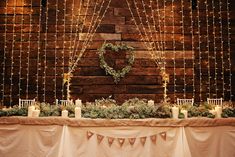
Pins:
x,y
90,81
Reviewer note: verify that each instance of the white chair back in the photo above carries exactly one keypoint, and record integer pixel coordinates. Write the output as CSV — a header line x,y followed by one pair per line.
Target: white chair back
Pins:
x,y
64,102
26,102
185,101
216,102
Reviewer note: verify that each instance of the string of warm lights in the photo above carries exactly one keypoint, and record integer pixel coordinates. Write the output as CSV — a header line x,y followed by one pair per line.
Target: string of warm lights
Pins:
x,y
63,49
183,45
82,23
21,50
208,50
229,51
199,50
142,34
28,50
38,52
71,50
45,53
149,27
4,55
221,47
193,47
146,44
12,52
215,47
56,39
90,35
154,26
174,48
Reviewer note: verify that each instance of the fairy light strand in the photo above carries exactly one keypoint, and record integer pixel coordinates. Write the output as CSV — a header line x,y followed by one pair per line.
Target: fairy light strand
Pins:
x,y
63,49
193,47
221,47
183,46
38,52
208,51
78,22
12,53
21,50
29,49
199,50
56,39
4,55
45,54
85,45
229,50
174,48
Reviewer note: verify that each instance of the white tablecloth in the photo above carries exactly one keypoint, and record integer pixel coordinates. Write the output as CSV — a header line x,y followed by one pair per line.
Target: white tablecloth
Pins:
x,y
61,137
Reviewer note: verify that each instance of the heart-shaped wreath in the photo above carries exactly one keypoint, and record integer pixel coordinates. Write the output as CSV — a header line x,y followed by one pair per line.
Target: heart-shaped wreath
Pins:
x,y
116,48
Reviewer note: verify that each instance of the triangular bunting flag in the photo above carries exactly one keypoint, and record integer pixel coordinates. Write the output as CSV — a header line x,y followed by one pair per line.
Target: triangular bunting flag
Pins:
x,y
143,140
89,134
121,141
110,141
99,138
132,141
154,138
163,135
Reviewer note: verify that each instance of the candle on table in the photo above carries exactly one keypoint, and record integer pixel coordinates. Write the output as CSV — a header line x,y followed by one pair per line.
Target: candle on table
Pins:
x,y
150,103
30,110
175,112
185,112
78,103
218,110
35,113
78,112
64,113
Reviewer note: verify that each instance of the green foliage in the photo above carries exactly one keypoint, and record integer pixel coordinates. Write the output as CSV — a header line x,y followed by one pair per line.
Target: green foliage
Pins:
x,y
117,75
131,109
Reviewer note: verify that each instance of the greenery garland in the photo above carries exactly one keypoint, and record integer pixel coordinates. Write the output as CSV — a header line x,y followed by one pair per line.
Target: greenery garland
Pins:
x,y
117,75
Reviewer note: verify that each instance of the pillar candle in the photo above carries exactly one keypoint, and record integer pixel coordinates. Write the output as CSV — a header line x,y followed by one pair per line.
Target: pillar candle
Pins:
x,y
64,113
78,112
150,103
35,113
185,112
218,110
78,103
30,110
175,112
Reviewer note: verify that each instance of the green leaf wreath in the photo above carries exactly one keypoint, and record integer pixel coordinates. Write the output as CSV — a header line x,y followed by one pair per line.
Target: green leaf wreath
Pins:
x,y
116,74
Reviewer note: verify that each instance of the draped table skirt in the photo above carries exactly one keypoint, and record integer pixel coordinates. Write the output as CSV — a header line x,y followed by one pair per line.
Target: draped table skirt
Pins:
x,y
69,137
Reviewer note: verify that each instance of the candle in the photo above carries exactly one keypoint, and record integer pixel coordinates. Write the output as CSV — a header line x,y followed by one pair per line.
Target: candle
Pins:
x,y
35,113
78,112
30,110
175,112
150,103
218,110
185,112
65,114
212,112
78,103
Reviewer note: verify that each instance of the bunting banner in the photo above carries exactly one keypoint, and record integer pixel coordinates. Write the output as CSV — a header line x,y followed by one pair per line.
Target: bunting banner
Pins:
x,y
121,141
163,135
110,141
143,140
131,140
99,138
89,134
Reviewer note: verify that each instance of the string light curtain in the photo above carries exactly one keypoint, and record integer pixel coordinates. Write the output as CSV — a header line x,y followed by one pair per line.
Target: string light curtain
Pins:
x,y
210,50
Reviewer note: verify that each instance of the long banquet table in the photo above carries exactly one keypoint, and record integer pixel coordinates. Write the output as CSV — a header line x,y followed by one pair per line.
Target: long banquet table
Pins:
x,y
70,137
